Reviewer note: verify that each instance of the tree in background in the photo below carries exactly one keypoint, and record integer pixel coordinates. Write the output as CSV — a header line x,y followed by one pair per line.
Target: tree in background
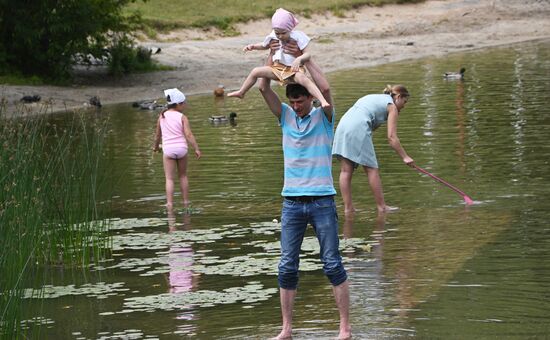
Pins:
x,y
43,37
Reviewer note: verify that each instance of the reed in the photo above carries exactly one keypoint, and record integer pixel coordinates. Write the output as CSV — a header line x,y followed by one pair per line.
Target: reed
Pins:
x,y
50,178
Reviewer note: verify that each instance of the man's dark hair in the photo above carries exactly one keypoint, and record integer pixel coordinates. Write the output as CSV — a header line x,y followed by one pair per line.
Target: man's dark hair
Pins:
x,y
296,90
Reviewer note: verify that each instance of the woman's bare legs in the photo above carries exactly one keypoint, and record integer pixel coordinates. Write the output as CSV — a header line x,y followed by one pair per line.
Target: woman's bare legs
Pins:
x,y
346,173
376,186
184,182
170,175
257,72
302,79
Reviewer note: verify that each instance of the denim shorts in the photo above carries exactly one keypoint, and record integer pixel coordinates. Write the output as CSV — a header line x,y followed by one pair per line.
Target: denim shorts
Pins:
x,y
295,217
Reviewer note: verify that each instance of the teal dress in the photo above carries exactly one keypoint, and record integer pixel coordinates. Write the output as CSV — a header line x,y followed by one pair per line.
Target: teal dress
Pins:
x,y
353,136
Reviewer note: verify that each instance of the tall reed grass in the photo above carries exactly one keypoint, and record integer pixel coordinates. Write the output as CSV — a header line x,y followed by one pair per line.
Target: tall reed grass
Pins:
x,y
50,177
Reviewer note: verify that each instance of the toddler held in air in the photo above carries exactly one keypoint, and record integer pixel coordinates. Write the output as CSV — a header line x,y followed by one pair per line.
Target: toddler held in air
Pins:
x,y
285,68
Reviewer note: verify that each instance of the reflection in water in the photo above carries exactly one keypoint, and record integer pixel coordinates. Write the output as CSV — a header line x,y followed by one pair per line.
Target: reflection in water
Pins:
x,y
347,227
518,109
180,278
460,121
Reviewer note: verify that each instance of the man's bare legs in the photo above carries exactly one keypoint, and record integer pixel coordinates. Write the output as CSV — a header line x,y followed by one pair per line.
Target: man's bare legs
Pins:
x,y
287,305
341,295
257,72
376,186
346,173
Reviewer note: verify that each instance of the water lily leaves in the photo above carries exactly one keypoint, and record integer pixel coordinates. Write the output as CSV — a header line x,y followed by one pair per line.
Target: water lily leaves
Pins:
x,y
227,250
98,290
250,293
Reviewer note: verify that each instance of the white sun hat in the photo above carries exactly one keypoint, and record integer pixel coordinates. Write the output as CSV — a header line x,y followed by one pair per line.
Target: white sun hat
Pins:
x,y
174,96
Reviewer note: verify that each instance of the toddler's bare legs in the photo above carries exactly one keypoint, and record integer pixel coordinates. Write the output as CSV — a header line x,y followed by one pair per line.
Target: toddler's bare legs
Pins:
x,y
257,72
302,79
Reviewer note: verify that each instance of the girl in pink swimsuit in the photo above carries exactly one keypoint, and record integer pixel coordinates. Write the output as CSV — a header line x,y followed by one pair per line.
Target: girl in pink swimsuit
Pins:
x,y
174,130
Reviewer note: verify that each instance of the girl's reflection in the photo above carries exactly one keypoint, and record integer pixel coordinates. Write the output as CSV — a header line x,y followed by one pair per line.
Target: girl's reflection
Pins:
x,y
181,278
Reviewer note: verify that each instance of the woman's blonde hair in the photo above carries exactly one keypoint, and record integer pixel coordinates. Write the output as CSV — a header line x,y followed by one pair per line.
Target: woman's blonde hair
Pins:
x,y
396,89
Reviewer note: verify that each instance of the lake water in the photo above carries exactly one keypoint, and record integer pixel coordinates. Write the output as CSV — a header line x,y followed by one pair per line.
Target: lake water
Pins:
x,y
434,269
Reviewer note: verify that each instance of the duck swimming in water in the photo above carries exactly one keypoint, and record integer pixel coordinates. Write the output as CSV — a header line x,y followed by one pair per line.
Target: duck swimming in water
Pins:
x,y
455,75
147,105
222,118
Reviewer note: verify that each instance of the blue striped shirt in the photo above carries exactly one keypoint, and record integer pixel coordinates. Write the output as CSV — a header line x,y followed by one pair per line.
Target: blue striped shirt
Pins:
x,y
307,150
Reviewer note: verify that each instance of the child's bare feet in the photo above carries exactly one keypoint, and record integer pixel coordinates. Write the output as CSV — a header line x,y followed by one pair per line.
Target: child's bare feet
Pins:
x,y
344,334
237,94
325,104
282,336
387,208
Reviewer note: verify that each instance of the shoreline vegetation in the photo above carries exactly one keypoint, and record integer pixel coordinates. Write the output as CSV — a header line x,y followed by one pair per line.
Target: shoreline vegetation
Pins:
x,y
51,177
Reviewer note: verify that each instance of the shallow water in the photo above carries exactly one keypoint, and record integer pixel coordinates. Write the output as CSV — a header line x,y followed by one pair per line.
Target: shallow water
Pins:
x,y
434,269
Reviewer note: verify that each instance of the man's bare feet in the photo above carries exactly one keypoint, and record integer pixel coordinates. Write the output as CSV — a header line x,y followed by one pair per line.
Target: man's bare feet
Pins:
x,y
237,94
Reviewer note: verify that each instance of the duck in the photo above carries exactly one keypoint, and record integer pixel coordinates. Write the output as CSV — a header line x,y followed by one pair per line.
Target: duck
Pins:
x,y
95,101
455,75
219,91
154,50
30,99
147,105
233,118
222,118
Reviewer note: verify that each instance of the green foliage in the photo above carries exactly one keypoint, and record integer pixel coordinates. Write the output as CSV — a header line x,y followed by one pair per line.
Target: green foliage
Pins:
x,y
18,79
50,178
125,58
42,37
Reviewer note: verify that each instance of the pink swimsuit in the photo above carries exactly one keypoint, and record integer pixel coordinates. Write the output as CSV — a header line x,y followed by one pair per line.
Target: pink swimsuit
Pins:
x,y
174,144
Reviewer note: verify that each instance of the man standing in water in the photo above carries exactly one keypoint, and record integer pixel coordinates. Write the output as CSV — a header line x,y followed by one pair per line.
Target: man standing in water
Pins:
x,y
308,192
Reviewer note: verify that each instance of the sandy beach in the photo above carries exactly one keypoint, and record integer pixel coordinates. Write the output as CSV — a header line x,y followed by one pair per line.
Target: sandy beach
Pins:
x,y
366,37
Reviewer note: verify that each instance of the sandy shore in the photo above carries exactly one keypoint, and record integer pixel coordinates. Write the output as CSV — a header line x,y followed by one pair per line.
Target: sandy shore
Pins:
x,y
365,37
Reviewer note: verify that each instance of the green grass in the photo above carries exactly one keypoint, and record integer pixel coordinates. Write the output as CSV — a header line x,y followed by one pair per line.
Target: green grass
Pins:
x,y
167,15
17,79
50,177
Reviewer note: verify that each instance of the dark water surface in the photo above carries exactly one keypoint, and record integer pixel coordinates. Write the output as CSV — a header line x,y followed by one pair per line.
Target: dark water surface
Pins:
x,y
434,269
